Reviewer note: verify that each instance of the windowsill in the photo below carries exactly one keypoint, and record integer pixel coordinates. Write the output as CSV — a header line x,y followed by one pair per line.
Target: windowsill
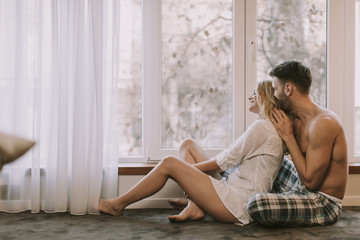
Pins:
x,y
354,168
145,168
135,168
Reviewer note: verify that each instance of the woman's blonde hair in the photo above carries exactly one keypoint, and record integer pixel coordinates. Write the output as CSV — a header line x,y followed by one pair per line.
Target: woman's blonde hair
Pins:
x,y
265,98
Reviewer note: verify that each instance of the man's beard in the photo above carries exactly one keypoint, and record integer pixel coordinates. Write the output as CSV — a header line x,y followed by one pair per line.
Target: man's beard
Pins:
x,y
285,104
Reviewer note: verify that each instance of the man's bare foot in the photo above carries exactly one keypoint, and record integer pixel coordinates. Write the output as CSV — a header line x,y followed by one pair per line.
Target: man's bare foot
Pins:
x,y
108,206
191,213
178,203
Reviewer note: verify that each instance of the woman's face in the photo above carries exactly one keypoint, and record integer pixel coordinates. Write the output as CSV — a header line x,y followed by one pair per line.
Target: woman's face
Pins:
x,y
253,105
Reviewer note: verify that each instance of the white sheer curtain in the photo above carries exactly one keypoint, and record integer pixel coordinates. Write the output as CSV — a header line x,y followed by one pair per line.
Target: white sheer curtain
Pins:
x,y
58,86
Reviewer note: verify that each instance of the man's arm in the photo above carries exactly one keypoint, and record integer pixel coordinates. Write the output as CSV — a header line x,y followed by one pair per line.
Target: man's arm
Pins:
x,y
322,133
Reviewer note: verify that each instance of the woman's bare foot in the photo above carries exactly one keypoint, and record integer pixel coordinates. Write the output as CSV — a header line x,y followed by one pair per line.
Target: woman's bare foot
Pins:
x,y
178,203
191,213
108,206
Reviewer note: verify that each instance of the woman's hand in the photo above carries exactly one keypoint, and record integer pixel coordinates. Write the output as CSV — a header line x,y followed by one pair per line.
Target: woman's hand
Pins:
x,y
282,124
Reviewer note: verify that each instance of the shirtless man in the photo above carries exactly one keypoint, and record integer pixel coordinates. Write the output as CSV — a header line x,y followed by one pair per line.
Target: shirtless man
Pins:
x,y
308,190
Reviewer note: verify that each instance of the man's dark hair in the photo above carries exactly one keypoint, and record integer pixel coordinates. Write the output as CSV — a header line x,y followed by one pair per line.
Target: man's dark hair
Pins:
x,y
295,72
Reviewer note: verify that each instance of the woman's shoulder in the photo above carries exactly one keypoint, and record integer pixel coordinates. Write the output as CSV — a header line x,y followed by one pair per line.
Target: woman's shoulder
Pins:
x,y
262,123
274,144
264,127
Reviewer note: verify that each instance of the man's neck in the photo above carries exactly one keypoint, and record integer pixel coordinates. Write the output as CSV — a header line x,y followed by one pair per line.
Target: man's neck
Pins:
x,y
303,107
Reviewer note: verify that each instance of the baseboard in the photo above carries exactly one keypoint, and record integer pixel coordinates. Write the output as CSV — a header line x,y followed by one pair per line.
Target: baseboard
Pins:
x,y
351,201
151,203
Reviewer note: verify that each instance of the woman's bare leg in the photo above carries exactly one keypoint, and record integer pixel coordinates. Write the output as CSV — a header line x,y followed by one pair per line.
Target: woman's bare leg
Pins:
x,y
202,193
191,152
191,212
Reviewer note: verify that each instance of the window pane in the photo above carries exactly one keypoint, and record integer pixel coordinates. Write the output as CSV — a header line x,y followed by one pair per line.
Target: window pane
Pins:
x,y
196,72
288,30
130,89
357,81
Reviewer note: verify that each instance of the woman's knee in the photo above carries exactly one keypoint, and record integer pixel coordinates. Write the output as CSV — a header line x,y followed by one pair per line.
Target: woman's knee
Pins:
x,y
172,166
186,144
169,162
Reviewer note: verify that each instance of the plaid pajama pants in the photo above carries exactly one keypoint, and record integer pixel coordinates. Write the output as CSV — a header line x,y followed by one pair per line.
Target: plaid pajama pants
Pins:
x,y
290,203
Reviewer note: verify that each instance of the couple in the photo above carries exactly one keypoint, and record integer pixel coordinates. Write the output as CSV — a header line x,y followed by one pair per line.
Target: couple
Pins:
x,y
305,191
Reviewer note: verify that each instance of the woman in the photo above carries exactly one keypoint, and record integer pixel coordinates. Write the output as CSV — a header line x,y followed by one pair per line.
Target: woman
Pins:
x,y
255,158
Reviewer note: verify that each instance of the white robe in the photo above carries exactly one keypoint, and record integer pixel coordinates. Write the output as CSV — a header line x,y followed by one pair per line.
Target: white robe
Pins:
x,y
255,157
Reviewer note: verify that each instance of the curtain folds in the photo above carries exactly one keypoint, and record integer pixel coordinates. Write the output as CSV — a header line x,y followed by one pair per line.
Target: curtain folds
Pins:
x,y
58,86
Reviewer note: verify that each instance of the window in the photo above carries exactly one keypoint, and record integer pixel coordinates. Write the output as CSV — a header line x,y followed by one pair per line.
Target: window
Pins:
x,y
341,69
288,30
200,61
191,88
357,79
196,87
130,82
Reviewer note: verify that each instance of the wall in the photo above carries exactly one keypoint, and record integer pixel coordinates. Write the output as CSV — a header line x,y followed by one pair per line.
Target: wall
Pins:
x,y
352,193
172,190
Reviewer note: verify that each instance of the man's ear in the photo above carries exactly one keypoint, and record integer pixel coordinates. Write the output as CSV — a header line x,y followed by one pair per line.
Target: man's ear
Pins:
x,y
289,88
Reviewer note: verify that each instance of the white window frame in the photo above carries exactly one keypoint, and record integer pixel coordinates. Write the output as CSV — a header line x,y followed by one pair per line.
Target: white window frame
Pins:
x,y
341,67
340,72
152,73
357,57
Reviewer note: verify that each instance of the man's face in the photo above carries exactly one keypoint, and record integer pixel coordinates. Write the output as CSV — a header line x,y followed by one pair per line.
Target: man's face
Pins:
x,y
279,93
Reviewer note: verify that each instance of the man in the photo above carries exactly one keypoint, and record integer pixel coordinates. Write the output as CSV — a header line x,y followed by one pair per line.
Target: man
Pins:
x,y
308,190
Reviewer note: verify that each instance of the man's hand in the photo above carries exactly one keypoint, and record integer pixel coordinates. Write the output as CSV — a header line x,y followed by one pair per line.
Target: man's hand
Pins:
x,y
282,123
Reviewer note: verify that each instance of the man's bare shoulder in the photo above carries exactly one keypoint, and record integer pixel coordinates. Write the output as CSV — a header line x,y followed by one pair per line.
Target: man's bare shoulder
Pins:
x,y
326,124
327,117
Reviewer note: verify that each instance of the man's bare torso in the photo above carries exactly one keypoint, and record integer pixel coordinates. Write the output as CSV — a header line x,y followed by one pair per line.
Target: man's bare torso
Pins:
x,y
336,174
